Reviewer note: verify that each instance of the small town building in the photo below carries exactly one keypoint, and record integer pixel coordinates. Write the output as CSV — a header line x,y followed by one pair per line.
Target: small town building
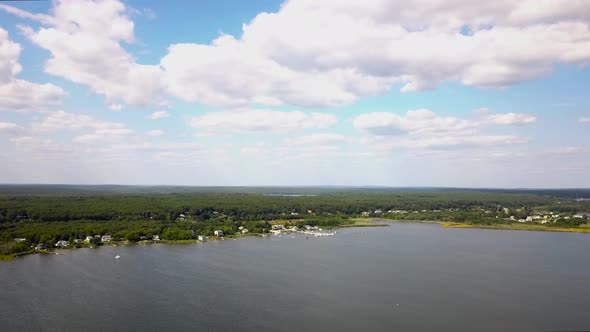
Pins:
x,y
202,238
62,244
156,238
106,238
244,231
218,233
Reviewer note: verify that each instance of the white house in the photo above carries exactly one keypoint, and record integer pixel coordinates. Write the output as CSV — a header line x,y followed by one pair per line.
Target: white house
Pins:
x,y
156,238
245,231
218,233
106,238
88,238
202,238
61,243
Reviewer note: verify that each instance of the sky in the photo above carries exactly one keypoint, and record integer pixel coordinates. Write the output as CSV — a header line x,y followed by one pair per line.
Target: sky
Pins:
x,y
454,93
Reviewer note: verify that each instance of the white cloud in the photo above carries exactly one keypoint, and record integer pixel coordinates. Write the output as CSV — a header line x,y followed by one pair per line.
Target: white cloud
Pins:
x,y
158,115
424,129
584,120
229,122
342,51
155,133
99,129
507,118
10,129
19,95
317,139
345,50
116,107
84,38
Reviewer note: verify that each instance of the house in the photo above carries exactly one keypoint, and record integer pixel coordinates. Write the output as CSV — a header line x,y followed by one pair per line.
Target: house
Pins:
x,y
365,214
529,219
378,211
156,238
244,231
20,239
240,228
106,238
218,233
202,238
294,213
88,239
78,241
62,243
41,246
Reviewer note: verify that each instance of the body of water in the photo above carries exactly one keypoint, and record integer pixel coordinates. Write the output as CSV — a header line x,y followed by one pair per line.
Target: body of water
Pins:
x,y
405,277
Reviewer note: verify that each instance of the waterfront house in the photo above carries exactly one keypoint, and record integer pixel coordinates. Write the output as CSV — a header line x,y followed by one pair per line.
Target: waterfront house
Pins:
x,y
156,238
202,238
218,233
41,246
106,238
245,231
88,239
61,243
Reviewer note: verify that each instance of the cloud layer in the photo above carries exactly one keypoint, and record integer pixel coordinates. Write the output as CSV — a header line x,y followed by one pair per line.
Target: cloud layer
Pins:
x,y
312,53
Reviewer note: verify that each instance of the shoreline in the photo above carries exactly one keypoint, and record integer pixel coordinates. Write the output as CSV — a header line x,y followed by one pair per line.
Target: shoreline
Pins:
x,y
511,227
357,223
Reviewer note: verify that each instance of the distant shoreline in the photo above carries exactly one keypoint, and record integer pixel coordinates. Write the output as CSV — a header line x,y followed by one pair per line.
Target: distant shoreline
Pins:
x,y
513,227
357,223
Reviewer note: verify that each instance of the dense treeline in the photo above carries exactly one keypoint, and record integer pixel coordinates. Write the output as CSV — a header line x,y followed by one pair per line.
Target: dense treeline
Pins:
x,y
136,215
244,207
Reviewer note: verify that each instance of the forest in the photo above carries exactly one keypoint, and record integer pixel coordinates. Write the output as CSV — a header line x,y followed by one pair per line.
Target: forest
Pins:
x,y
47,214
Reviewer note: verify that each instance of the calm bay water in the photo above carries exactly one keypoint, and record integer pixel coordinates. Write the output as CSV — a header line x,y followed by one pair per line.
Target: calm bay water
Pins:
x,y
406,277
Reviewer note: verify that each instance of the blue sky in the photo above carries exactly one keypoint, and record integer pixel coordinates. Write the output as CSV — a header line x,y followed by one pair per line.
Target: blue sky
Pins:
x,y
295,93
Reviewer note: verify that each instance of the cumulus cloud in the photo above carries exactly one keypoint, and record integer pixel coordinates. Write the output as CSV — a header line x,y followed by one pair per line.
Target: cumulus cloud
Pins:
x,y
423,128
317,139
345,51
155,133
507,118
98,129
84,38
319,53
250,120
19,95
158,115
115,107
11,129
